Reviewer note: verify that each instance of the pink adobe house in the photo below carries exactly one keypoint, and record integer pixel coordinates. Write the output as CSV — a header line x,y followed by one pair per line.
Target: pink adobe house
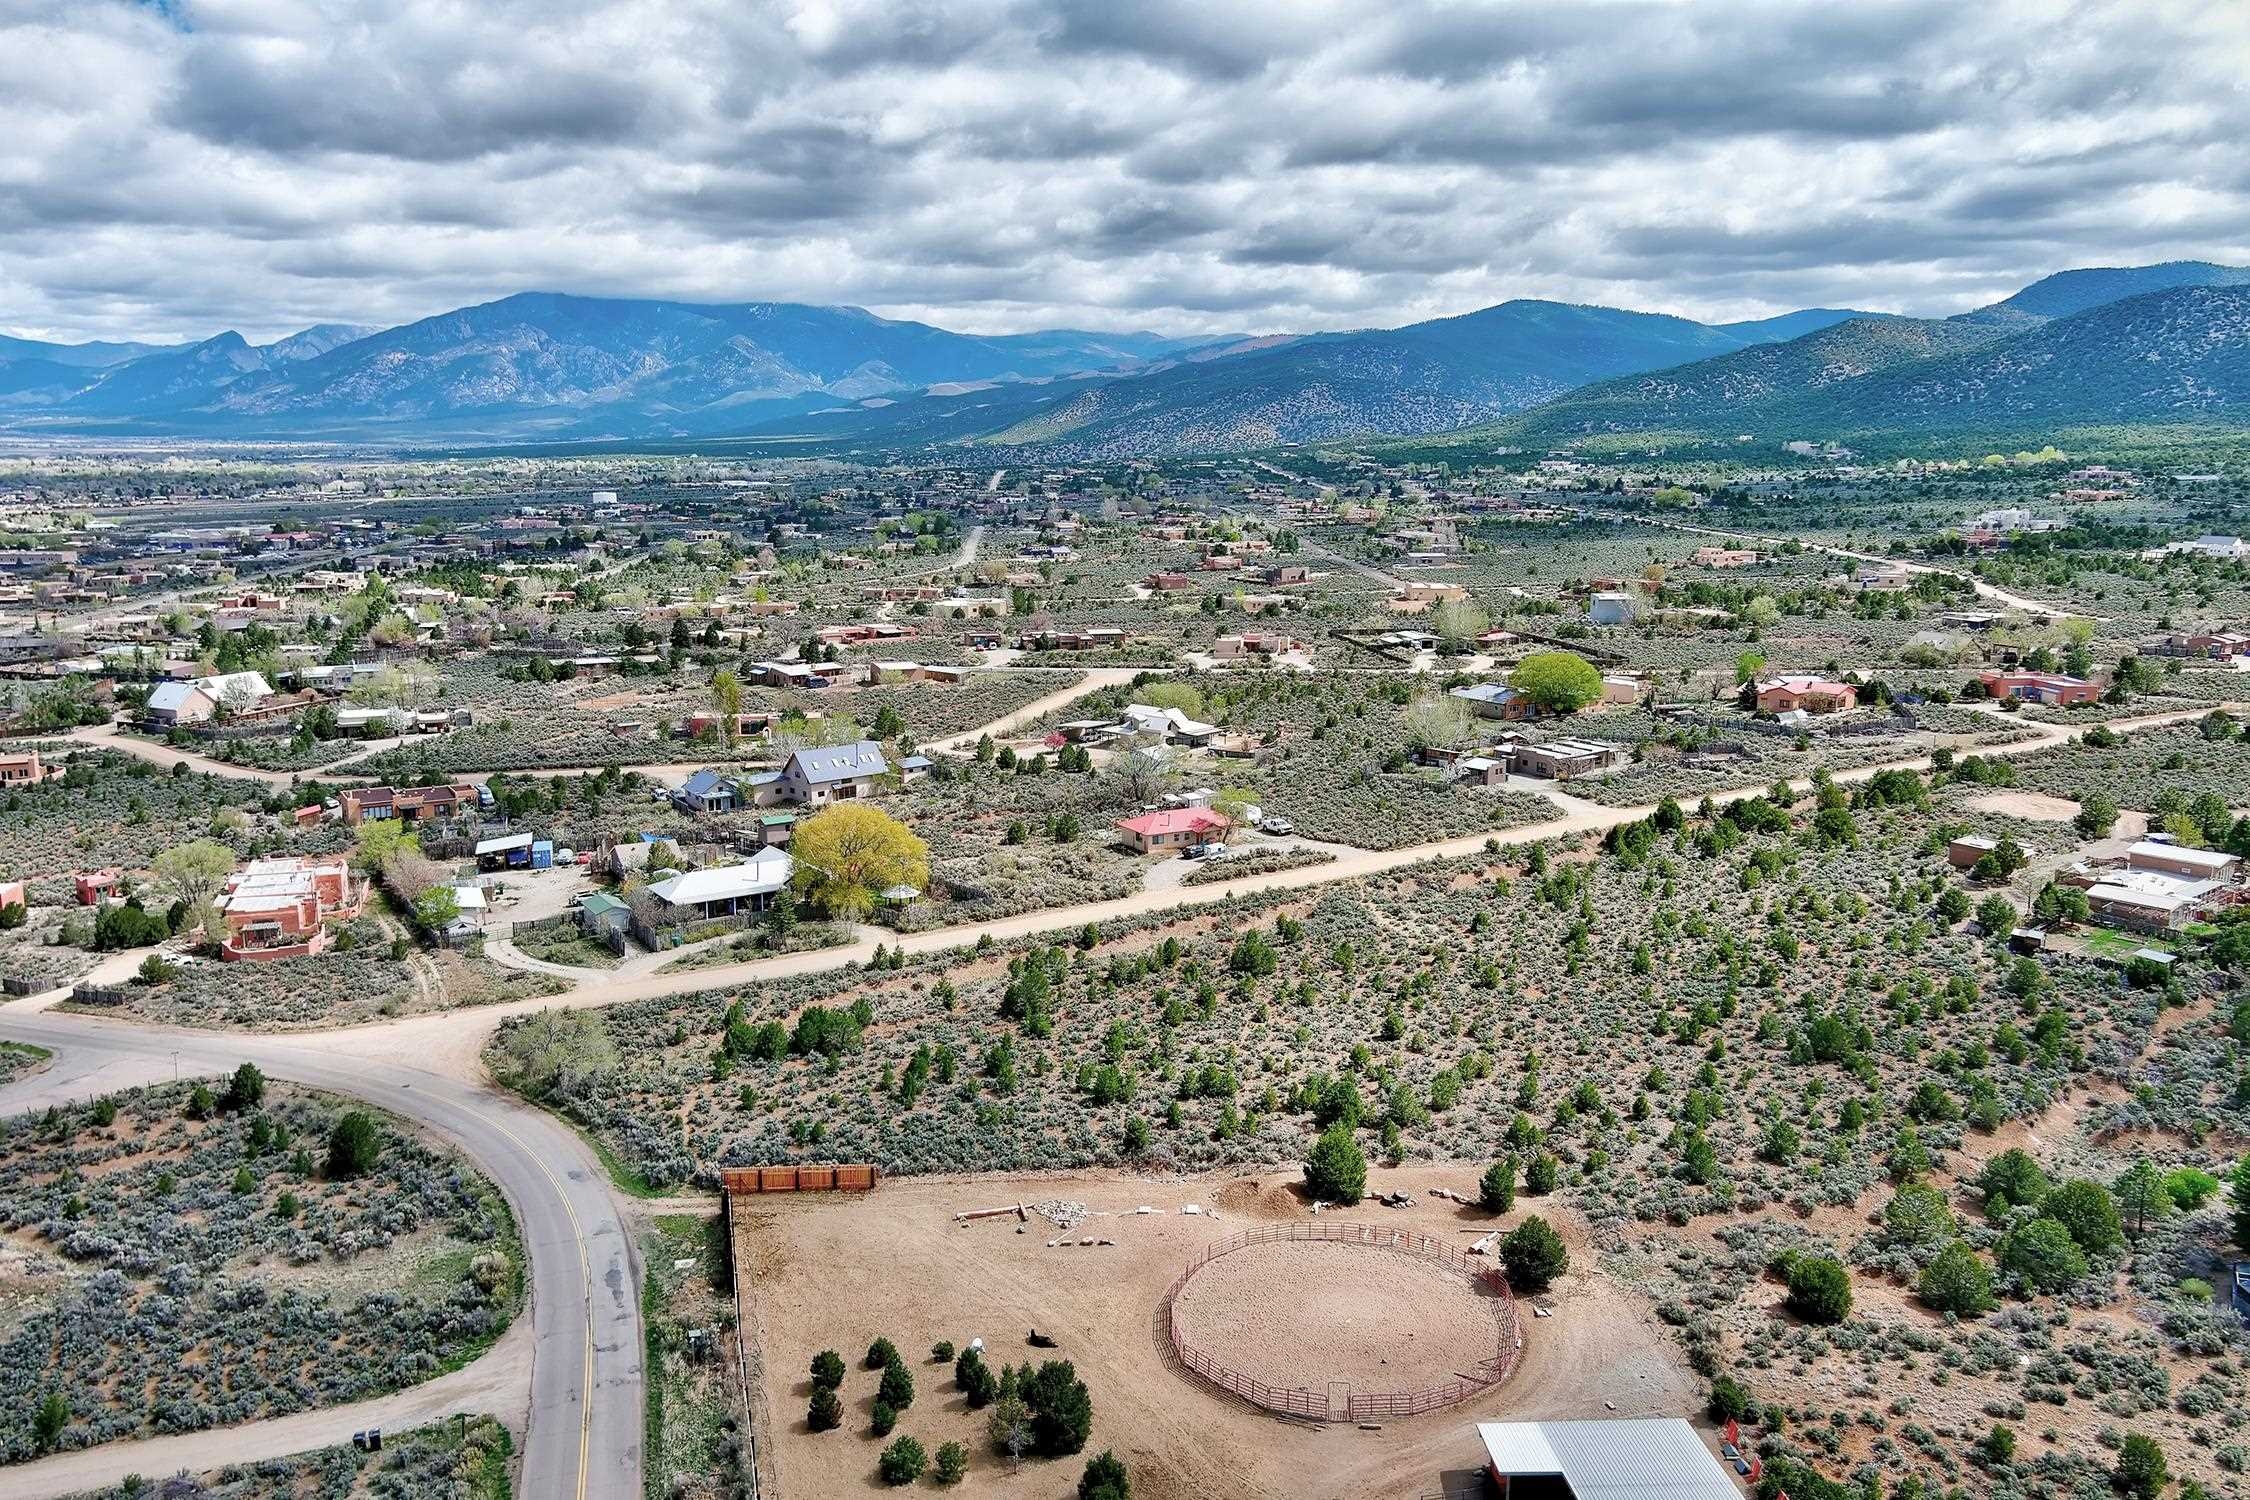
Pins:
x,y
1815,695
279,908
1173,830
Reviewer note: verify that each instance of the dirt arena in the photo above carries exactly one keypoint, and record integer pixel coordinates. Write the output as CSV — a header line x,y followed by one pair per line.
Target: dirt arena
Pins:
x,y
1380,1322
837,1271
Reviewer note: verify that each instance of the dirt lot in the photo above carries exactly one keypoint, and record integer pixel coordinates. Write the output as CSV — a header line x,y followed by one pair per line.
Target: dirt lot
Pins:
x,y
2033,807
836,1271
1384,1322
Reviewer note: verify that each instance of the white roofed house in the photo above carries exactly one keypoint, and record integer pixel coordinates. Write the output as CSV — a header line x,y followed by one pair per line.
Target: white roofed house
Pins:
x,y
725,890
1166,724
204,698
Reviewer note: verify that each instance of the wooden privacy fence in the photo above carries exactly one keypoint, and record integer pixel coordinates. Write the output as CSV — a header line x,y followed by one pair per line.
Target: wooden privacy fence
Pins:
x,y
1321,1403
848,1177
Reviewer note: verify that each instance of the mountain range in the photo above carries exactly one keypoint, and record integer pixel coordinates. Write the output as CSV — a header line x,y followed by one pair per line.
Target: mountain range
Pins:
x,y
2163,343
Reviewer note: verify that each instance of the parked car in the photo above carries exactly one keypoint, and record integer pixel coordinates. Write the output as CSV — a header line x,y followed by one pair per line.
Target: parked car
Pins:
x,y
1279,827
1205,851
585,857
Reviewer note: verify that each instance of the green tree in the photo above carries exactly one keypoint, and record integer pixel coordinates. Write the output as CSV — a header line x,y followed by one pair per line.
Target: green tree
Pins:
x,y
1497,1191
1534,1255
354,1145
48,1423
1336,1169
902,1462
437,908
952,1463
2141,1197
2011,1180
1918,1215
897,1388
1996,916
194,874
1559,682
828,1369
1104,1479
849,853
1062,1410
2141,1471
246,1089
2088,1212
1820,1289
1956,1281
2097,814
2042,1255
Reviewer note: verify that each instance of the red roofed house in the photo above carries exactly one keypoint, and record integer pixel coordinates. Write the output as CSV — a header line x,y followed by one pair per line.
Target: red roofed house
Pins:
x,y
2040,687
1815,695
1173,829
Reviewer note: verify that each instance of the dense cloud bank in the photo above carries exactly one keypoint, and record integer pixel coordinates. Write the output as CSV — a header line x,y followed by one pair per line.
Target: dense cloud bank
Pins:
x,y
173,167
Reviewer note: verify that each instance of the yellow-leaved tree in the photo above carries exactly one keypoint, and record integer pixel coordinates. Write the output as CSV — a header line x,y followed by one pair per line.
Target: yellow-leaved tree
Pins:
x,y
849,854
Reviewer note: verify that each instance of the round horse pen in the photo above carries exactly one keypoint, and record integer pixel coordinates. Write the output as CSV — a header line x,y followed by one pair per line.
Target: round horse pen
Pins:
x,y
1343,1322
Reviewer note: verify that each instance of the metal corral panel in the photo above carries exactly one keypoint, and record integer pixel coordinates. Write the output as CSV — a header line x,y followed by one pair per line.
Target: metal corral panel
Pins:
x,y
1653,1458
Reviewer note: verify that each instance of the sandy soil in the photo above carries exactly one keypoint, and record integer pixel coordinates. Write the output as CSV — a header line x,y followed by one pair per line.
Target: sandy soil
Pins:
x,y
2034,807
1305,1315
836,1271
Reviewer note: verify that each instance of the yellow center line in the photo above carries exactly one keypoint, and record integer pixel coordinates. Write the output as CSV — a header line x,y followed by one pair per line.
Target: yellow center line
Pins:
x,y
586,1283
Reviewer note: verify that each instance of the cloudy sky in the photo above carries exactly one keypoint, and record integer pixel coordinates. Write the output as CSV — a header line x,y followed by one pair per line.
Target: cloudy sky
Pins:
x,y
170,169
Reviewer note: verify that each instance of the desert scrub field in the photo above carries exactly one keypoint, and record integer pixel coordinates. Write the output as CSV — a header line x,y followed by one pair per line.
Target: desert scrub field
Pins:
x,y
461,1460
527,740
20,1060
2176,761
367,974
1003,842
761,942
1336,758
1598,999
566,945
280,754
687,1311
933,712
1660,769
1256,861
192,1255
111,809
36,952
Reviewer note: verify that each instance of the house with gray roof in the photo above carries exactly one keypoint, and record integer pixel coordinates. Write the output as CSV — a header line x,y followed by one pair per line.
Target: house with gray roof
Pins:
x,y
832,773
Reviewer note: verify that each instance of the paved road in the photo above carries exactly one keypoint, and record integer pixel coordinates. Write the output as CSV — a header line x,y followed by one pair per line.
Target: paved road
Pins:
x,y
585,1410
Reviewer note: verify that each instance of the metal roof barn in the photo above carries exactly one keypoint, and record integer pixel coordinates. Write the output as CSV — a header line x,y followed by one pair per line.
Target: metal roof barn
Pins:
x,y
1649,1458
